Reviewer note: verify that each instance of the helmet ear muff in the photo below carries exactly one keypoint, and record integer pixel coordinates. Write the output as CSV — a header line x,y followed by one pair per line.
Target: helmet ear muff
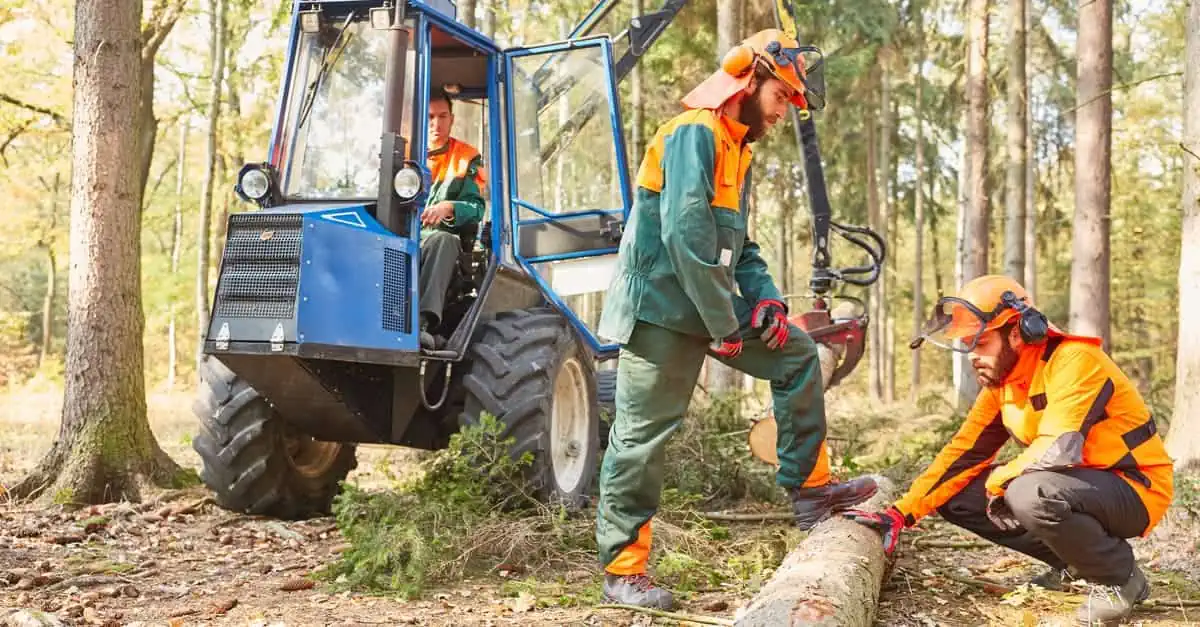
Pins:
x,y
738,61
1033,324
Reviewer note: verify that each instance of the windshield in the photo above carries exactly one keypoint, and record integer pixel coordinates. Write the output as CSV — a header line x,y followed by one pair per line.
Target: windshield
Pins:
x,y
335,112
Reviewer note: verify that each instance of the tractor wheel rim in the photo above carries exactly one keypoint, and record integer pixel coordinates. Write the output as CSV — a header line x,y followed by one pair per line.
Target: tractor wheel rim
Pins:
x,y
311,458
569,426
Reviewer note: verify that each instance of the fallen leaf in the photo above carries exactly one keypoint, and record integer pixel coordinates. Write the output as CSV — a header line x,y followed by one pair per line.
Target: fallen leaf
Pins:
x,y
70,538
719,605
183,612
297,583
221,608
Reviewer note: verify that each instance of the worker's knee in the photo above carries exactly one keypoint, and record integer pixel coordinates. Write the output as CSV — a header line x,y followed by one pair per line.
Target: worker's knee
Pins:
x,y
441,241
1034,502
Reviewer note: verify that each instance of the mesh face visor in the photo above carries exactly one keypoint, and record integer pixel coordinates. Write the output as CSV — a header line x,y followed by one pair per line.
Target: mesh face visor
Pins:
x,y
956,320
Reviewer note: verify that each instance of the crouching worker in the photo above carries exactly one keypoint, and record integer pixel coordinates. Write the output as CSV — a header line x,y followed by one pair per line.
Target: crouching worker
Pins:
x,y
1093,471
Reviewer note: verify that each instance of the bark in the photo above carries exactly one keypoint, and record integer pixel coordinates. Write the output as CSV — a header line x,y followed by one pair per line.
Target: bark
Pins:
x,y
721,378
637,102
176,246
105,450
1018,89
1093,151
975,219
163,18
833,577
875,306
466,13
919,211
1030,272
727,26
1183,440
886,217
217,34
488,11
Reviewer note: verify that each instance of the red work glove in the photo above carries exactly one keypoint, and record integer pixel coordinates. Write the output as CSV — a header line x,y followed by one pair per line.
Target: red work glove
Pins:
x,y
888,522
771,316
729,347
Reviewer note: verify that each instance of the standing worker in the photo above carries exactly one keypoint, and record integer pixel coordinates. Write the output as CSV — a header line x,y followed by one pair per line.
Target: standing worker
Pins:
x,y
1093,471
673,300
455,204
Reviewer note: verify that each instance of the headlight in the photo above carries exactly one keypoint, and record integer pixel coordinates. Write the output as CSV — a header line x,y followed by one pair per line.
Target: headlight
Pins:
x,y
255,184
407,183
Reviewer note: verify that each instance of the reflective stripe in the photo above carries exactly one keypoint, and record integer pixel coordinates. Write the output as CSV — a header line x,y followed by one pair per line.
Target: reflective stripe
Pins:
x,y
990,440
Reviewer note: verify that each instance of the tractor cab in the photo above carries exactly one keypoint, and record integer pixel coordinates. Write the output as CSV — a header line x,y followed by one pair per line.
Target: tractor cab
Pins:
x,y
313,338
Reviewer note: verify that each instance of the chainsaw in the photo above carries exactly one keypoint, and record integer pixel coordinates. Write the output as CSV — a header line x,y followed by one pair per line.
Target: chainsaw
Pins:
x,y
840,331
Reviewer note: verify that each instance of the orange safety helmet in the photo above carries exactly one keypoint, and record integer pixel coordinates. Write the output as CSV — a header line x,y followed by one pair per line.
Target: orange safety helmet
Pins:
x,y
778,52
983,304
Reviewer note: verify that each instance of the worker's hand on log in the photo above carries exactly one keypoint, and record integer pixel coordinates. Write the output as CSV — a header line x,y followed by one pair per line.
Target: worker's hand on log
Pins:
x,y
888,523
729,347
1000,513
771,316
434,215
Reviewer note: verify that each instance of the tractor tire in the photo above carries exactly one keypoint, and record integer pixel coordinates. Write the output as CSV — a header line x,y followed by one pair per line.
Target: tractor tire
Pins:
x,y
528,370
254,461
606,396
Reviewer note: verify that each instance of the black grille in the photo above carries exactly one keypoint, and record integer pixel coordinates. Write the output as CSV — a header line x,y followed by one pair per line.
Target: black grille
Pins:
x,y
395,291
261,270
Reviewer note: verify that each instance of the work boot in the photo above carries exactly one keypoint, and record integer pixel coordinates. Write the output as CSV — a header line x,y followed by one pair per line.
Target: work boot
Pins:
x,y
1057,579
636,590
812,505
1109,605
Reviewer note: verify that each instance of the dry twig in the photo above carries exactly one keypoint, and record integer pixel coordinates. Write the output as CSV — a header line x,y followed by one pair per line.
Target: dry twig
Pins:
x,y
703,620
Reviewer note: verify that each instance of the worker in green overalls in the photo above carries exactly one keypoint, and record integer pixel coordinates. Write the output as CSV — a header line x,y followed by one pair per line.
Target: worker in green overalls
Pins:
x,y
673,301
455,202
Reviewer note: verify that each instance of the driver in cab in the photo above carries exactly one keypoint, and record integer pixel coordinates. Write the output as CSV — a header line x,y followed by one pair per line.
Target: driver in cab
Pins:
x,y
455,203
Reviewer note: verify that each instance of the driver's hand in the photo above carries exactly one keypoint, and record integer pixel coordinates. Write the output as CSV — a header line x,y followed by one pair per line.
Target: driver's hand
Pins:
x,y
432,216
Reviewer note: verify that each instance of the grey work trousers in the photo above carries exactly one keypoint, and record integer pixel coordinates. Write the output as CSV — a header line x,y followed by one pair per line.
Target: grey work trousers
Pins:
x,y
439,255
1075,519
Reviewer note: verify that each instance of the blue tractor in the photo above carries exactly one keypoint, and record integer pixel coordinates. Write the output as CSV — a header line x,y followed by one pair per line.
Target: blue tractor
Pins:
x,y
312,345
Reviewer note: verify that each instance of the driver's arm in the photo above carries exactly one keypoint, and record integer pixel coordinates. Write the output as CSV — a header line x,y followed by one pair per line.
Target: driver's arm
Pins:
x,y
469,203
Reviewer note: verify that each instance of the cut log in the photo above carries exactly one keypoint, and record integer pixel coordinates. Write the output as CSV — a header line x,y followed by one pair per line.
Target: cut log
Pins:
x,y
832,577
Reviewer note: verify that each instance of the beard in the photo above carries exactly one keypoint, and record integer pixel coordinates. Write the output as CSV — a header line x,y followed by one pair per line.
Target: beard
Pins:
x,y
753,117
1005,362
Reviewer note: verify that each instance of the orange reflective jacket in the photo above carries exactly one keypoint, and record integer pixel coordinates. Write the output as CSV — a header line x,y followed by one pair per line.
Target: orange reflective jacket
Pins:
x,y
1070,406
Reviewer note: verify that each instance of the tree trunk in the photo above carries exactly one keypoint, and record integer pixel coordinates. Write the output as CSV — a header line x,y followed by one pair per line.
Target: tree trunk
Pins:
x,y
887,372
721,378
105,450
488,11
1030,272
784,243
176,246
975,222
1093,151
637,104
217,36
833,577
876,327
919,210
1018,90
466,13
1183,440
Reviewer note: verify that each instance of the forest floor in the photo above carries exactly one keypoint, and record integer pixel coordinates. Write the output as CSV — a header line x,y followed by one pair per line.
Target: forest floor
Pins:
x,y
180,560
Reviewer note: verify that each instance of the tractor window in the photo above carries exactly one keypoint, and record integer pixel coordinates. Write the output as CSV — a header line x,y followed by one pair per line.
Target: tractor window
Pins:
x,y
335,112
566,158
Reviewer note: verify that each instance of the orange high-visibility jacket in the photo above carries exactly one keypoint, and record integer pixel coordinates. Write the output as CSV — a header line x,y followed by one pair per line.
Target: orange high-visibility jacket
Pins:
x,y
1070,406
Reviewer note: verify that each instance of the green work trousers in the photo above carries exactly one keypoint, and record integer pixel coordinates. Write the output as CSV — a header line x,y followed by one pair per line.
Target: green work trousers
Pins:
x,y
656,373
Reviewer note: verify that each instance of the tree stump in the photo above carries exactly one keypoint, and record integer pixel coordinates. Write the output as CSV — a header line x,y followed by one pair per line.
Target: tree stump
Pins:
x,y
832,577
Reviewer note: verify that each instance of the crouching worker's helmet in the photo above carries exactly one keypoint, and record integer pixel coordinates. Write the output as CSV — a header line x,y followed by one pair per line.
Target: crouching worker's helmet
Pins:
x,y
983,304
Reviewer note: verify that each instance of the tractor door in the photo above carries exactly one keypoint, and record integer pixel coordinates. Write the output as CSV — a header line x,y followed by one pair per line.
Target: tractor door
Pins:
x,y
569,177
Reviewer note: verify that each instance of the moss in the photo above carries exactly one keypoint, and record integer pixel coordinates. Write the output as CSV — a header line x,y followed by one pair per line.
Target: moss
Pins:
x,y
185,478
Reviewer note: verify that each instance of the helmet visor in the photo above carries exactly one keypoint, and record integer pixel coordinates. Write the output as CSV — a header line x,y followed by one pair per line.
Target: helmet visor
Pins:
x,y
955,324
